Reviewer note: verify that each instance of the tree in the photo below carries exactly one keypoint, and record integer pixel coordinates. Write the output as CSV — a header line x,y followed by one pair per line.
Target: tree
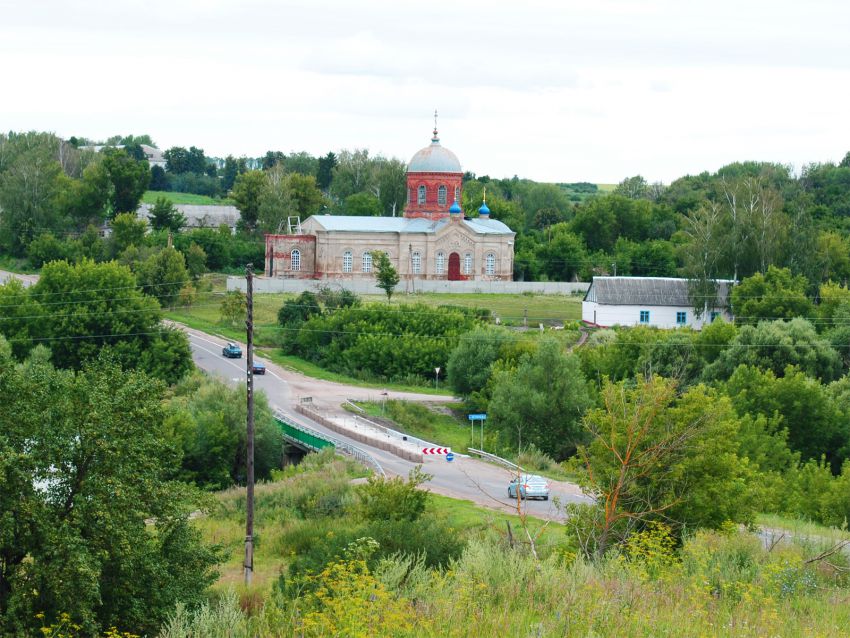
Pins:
x,y
776,294
541,402
633,187
206,419
234,307
89,308
652,457
471,362
248,191
365,204
391,185
354,173
324,173
385,273
163,275
774,345
127,230
87,200
196,261
90,523
129,179
159,179
796,403
165,216
230,172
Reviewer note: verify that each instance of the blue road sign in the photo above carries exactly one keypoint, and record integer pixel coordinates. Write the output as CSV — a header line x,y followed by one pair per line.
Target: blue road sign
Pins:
x,y
450,457
477,417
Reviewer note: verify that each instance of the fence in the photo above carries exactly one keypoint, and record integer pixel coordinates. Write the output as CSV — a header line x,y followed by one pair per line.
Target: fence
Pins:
x,y
368,287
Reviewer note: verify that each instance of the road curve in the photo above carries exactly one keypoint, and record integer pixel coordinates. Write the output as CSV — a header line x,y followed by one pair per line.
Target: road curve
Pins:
x,y
464,478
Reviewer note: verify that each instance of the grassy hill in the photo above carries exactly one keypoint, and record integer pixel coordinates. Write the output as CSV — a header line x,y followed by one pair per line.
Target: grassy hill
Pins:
x,y
150,197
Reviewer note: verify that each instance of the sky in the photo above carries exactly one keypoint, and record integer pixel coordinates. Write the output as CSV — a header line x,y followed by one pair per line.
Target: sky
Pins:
x,y
553,91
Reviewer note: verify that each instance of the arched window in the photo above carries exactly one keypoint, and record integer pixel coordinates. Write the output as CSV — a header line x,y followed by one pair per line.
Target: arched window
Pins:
x,y
441,263
420,198
457,193
408,196
416,262
467,264
441,196
295,260
347,261
490,264
367,262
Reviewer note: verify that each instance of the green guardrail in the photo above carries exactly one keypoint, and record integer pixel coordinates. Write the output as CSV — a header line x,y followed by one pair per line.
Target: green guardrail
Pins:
x,y
302,437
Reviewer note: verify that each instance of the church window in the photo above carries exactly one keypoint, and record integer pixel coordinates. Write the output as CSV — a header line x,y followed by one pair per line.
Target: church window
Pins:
x,y
420,199
367,262
457,193
441,263
295,260
490,264
416,262
346,261
441,196
467,264
408,196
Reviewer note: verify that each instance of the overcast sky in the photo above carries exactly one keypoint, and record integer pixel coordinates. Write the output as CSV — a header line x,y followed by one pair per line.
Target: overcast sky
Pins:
x,y
553,91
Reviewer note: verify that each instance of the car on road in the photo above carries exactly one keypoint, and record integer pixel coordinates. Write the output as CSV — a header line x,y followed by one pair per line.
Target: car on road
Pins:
x,y
258,368
232,351
529,486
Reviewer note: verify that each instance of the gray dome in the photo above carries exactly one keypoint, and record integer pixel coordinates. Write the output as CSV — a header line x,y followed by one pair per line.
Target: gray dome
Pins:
x,y
434,159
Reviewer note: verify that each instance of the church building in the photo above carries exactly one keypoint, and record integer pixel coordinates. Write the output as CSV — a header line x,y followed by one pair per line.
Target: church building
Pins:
x,y
434,240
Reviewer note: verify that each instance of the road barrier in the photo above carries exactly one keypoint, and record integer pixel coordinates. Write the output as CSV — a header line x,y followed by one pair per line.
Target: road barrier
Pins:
x,y
495,459
315,440
400,449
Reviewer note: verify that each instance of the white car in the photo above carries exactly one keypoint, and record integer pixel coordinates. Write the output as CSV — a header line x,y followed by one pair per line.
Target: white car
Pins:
x,y
530,486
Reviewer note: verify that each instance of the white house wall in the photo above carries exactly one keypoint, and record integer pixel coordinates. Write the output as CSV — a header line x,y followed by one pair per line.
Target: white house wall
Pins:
x,y
607,315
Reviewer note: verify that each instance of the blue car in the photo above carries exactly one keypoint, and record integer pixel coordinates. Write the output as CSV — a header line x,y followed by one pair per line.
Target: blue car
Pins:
x,y
258,368
530,486
232,351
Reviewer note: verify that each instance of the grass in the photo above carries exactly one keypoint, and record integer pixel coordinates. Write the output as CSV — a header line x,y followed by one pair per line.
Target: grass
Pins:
x,y
420,421
15,264
799,529
150,197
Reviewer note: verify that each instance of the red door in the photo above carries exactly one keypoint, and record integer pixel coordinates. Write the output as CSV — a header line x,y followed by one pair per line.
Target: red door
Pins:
x,y
454,267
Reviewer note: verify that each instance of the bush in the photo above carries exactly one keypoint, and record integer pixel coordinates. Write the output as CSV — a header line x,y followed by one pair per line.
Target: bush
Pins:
x,y
383,499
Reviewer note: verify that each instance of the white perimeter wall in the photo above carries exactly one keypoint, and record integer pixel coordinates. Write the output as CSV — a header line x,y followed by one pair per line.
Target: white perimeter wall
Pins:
x,y
659,316
368,287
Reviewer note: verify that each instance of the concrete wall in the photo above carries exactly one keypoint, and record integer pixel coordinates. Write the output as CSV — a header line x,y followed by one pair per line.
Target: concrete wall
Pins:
x,y
368,287
659,316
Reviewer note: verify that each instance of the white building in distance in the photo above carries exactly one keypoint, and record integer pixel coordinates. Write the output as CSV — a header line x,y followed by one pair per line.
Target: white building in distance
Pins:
x,y
663,302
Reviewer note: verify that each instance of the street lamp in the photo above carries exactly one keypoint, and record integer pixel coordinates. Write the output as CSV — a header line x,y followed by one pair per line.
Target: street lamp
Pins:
x,y
436,376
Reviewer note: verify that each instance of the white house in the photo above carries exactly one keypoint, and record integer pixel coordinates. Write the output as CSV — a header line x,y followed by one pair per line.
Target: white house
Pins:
x,y
662,302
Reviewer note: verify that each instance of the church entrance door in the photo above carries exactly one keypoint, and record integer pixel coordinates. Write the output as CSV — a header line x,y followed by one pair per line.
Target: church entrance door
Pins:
x,y
454,267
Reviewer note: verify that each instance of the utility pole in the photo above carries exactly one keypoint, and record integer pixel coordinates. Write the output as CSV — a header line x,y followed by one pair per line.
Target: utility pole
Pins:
x,y
249,519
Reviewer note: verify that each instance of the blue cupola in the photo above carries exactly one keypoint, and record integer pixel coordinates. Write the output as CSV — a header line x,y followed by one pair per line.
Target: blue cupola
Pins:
x,y
484,211
455,209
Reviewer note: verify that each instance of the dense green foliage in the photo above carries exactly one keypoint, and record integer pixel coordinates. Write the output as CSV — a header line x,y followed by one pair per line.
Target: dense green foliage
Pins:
x,y
82,310
379,341
206,420
90,523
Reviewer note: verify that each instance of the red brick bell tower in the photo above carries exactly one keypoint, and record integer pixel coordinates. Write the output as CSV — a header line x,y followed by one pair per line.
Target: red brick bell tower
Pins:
x,y
434,181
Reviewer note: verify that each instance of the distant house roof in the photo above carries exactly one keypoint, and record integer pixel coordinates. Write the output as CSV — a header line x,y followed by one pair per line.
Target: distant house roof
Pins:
x,y
648,291
401,225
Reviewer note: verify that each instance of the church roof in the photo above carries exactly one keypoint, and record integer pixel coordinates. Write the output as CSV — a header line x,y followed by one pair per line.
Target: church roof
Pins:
x,y
434,159
364,224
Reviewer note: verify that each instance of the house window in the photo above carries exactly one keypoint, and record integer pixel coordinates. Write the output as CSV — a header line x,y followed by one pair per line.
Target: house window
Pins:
x,y
490,264
347,261
441,263
467,264
416,259
681,318
420,198
441,196
714,315
295,260
367,262
644,316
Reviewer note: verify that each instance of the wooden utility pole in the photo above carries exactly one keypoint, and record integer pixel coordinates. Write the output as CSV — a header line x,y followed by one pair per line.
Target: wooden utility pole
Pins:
x,y
249,519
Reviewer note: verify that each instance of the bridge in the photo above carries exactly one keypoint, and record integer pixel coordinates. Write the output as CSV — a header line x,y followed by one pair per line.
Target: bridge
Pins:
x,y
310,440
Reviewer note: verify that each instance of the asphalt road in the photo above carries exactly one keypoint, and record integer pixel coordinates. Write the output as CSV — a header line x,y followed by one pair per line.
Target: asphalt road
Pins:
x,y
465,477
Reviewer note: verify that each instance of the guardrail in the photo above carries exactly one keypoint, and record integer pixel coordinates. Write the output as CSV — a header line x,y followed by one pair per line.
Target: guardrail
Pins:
x,y
341,447
495,459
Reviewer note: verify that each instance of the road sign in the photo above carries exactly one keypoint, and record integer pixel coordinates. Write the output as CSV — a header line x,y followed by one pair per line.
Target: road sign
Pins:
x,y
477,417
450,457
436,450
